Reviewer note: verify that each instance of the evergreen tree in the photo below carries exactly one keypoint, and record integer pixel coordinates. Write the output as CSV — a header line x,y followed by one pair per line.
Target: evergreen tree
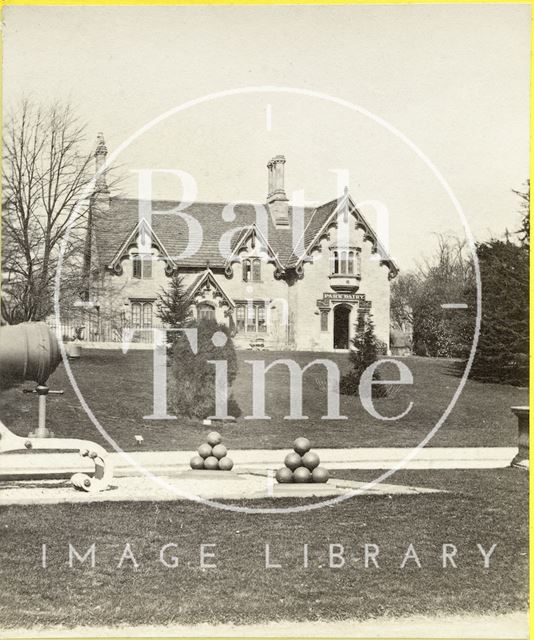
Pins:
x,y
503,345
194,389
524,231
174,306
366,350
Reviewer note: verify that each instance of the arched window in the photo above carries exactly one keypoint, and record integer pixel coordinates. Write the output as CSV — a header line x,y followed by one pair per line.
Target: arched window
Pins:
x,y
350,263
142,267
142,314
240,317
246,270
256,270
346,262
205,311
250,316
252,270
336,263
343,262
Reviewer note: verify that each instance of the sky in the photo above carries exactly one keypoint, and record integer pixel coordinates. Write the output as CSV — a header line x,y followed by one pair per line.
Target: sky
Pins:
x,y
452,79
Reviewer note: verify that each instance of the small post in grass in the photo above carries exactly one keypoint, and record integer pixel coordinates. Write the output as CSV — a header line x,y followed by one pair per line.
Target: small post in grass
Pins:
x,y
521,458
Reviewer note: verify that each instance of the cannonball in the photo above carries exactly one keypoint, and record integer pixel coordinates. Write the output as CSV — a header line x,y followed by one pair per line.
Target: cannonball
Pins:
x,y
292,461
214,438
302,475
204,450
211,463
320,474
197,462
226,464
284,475
302,445
219,451
310,460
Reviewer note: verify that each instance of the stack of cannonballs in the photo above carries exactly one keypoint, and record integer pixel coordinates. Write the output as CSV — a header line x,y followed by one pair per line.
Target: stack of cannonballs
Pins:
x,y
212,455
302,465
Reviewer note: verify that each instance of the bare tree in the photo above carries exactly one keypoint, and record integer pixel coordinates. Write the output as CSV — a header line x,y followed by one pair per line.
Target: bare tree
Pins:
x,y
417,298
46,177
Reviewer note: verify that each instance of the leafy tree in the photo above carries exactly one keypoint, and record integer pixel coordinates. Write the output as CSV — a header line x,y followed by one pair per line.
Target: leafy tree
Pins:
x,y
174,305
503,345
366,349
194,388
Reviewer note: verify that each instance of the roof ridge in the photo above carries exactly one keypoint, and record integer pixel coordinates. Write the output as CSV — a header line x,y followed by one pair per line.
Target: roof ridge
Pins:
x,y
209,202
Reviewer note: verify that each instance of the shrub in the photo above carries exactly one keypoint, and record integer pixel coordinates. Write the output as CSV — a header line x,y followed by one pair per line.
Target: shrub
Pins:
x,y
193,393
503,345
366,349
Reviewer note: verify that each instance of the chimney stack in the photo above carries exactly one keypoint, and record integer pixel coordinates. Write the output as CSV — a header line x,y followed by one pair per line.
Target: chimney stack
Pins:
x,y
276,197
102,190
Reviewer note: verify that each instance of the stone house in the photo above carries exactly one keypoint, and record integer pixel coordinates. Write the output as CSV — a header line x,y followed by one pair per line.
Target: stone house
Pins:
x,y
280,276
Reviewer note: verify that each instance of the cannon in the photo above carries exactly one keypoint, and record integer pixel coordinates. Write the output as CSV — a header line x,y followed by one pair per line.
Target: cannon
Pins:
x,y
30,351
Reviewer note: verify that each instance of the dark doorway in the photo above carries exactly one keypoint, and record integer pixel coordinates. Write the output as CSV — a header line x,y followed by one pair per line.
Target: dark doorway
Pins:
x,y
341,326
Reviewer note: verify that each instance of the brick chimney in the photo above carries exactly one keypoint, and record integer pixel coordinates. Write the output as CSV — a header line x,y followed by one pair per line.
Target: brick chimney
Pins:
x,y
276,197
102,189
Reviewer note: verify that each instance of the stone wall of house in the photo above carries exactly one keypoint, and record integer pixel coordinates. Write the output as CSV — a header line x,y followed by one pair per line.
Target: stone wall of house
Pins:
x,y
317,280
270,290
293,316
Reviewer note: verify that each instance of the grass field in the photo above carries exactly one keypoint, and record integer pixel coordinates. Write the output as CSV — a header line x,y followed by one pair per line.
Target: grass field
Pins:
x,y
118,388
482,506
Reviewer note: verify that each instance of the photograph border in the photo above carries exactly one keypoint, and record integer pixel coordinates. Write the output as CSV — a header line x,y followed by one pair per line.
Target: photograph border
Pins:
x,y
234,3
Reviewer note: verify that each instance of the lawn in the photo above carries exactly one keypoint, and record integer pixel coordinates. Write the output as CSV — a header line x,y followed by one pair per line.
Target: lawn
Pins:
x,y
481,506
118,388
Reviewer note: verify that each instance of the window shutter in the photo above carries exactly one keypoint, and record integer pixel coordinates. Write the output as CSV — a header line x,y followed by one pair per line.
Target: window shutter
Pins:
x,y
136,268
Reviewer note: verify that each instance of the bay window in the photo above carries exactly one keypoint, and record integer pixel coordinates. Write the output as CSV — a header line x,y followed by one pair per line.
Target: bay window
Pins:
x,y
345,262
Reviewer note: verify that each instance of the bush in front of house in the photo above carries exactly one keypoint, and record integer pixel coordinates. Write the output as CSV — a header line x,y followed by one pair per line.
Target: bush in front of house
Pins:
x,y
193,387
366,349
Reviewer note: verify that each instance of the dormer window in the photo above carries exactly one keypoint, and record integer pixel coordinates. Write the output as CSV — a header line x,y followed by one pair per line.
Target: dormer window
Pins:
x,y
142,267
346,262
252,270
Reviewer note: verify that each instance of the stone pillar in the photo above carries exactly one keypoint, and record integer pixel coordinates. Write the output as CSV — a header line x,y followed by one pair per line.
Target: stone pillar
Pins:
x,y
522,457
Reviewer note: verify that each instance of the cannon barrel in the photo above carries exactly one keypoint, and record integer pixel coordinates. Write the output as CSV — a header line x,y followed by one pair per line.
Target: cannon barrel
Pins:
x,y
28,351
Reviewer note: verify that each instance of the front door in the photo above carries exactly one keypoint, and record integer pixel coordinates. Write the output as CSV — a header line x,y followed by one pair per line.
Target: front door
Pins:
x,y
341,326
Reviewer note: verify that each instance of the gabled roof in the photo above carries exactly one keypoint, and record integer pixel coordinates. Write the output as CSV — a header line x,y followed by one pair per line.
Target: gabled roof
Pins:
x,y
326,216
202,280
246,234
311,231
115,228
141,227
